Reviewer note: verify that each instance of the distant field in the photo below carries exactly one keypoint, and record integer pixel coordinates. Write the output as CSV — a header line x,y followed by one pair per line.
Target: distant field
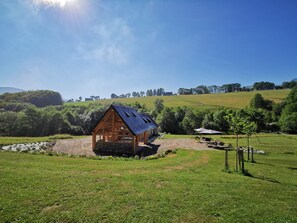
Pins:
x,y
200,102
189,186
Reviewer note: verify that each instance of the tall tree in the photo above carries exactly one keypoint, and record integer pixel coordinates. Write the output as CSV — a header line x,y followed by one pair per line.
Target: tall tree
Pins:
x,y
288,119
168,122
159,106
257,101
249,128
236,124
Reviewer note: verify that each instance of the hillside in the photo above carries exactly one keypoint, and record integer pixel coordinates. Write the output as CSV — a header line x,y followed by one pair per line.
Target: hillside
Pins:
x,y
199,102
10,90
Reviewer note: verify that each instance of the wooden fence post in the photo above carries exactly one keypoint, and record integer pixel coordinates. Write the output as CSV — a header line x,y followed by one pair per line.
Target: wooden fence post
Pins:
x,y
226,160
241,160
253,155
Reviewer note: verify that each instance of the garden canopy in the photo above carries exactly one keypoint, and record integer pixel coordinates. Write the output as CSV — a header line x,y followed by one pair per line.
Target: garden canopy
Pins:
x,y
207,131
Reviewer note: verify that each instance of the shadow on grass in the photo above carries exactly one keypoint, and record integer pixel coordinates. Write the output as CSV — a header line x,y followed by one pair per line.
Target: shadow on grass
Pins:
x,y
292,168
248,174
148,150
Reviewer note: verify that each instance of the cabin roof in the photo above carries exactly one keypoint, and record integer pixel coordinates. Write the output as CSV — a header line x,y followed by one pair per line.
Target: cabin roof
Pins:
x,y
136,122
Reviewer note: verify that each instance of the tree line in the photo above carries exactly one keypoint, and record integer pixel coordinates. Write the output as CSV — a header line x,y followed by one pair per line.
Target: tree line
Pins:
x,y
212,89
135,94
235,87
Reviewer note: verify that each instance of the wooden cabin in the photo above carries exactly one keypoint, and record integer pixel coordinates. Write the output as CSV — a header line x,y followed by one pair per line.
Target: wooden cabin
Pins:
x,y
120,131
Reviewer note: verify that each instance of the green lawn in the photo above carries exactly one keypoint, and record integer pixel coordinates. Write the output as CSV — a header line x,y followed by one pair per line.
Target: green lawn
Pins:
x,y
199,102
7,140
189,186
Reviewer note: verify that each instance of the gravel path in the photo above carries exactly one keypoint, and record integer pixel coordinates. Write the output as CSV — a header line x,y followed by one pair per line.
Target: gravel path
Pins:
x,y
181,143
83,146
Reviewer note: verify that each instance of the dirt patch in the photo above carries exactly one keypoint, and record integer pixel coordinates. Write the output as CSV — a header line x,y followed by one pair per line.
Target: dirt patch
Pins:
x,y
182,143
83,146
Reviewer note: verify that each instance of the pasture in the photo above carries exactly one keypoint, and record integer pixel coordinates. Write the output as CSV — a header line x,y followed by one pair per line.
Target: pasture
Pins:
x,y
189,186
235,100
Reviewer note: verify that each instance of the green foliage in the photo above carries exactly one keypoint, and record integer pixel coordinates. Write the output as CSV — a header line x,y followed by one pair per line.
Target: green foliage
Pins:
x,y
24,119
208,121
288,123
41,98
159,106
236,122
249,128
220,121
8,121
191,121
288,119
168,122
289,84
259,102
264,85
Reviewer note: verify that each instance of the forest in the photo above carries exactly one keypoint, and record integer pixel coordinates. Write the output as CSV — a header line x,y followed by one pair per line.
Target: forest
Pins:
x,y
42,113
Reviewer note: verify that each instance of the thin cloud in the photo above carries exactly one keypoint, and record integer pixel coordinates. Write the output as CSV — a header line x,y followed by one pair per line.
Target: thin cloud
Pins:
x,y
50,3
112,42
31,78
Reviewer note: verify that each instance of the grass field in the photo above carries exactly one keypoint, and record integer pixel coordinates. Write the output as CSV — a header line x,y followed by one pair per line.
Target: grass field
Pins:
x,y
7,140
200,102
189,186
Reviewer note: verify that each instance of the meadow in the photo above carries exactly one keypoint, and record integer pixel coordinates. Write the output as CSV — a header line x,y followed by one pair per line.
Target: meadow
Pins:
x,y
189,186
235,100
7,140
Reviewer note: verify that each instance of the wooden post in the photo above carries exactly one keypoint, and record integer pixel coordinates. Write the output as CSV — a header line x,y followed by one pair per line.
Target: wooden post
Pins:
x,y
93,140
241,160
253,154
145,140
134,143
237,153
226,160
248,153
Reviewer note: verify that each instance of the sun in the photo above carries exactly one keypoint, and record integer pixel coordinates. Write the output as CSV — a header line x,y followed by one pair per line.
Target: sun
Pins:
x,y
62,3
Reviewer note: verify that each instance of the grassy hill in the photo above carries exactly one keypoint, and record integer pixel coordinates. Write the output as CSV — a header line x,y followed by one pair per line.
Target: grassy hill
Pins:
x,y
189,186
199,102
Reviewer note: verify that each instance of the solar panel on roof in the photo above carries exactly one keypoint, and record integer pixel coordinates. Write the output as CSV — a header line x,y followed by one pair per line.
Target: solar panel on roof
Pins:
x,y
127,114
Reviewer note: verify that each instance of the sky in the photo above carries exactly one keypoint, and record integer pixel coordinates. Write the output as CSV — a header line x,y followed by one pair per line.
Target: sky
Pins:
x,y
100,47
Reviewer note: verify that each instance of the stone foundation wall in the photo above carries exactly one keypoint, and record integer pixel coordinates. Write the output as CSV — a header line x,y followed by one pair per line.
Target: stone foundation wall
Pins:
x,y
116,148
